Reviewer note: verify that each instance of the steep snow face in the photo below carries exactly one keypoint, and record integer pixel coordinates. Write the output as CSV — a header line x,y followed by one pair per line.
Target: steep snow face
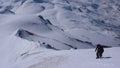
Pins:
x,y
43,30
65,42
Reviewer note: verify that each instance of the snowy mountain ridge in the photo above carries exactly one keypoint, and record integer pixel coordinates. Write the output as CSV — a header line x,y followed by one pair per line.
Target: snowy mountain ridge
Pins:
x,y
64,25
84,20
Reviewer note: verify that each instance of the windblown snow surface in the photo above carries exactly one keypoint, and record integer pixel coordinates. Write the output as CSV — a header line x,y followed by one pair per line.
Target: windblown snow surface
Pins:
x,y
72,28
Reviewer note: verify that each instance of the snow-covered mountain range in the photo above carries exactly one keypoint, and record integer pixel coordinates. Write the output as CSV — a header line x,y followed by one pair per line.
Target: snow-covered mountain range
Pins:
x,y
63,24
92,21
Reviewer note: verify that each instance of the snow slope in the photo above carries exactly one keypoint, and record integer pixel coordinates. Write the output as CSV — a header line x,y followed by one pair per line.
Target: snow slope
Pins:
x,y
69,59
65,25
